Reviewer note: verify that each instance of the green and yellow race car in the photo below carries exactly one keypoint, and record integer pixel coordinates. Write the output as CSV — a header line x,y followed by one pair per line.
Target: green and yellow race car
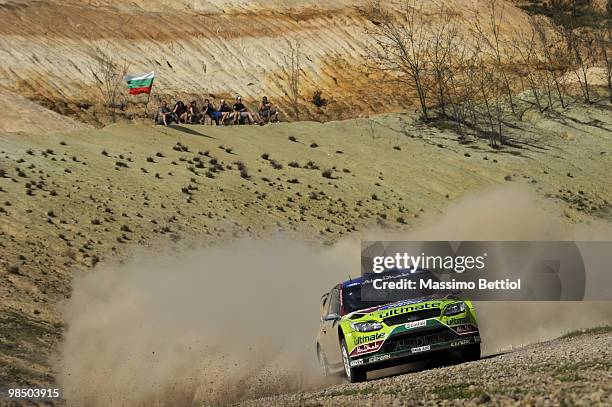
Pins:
x,y
356,336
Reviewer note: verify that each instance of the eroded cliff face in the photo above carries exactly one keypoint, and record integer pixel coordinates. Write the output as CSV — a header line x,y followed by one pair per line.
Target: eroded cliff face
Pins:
x,y
197,47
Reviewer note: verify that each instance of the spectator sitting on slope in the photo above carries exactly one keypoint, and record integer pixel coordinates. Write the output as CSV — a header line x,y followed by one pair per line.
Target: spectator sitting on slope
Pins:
x,y
210,112
225,111
267,112
192,116
240,110
179,111
164,115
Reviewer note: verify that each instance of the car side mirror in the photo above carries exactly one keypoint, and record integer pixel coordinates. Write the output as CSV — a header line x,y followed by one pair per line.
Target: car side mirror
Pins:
x,y
331,317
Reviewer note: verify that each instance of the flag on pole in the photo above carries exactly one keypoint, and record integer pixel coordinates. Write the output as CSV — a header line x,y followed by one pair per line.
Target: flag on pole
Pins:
x,y
140,84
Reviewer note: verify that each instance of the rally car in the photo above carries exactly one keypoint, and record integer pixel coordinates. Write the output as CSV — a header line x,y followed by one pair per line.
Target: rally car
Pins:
x,y
356,336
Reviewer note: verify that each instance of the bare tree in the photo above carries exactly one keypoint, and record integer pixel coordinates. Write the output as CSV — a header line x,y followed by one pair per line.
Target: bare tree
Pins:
x,y
490,92
579,46
526,46
293,74
108,73
556,58
444,45
400,43
603,41
461,92
490,35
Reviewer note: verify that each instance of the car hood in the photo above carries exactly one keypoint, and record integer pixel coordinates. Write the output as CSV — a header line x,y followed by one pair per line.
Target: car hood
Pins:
x,y
401,307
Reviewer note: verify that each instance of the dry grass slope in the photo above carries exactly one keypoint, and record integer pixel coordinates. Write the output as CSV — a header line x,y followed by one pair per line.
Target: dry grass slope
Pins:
x,y
69,200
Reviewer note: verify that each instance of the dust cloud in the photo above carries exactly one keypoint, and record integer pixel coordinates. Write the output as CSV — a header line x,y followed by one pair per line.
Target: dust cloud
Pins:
x,y
212,326
515,213
219,325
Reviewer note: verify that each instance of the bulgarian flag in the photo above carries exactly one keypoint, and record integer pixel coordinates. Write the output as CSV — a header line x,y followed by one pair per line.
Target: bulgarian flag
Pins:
x,y
140,84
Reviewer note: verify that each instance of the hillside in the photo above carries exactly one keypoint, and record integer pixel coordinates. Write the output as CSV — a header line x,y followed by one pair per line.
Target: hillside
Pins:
x,y
21,114
76,200
200,48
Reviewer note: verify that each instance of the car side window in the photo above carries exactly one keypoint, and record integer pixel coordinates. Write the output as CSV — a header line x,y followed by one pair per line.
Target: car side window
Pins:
x,y
334,302
324,304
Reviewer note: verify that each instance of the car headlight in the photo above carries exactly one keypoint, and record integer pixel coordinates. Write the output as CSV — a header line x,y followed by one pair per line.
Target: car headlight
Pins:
x,y
366,326
454,309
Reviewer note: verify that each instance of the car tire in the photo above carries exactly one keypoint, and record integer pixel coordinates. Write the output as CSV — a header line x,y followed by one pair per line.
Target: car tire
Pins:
x,y
353,374
323,362
470,353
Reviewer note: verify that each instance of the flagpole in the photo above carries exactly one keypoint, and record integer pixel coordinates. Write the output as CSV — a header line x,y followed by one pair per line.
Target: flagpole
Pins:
x,y
147,102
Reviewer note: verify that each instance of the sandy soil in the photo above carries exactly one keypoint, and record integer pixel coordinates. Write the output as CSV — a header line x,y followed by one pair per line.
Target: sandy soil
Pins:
x,y
573,371
19,114
70,200
198,48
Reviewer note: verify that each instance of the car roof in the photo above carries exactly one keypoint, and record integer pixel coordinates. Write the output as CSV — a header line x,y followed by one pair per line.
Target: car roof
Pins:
x,y
354,281
361,279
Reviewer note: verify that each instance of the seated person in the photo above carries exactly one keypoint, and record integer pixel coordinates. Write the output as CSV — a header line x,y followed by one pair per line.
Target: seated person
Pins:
x,y
225,111
164,115
210,112
179,111
240,110
192,115
267,112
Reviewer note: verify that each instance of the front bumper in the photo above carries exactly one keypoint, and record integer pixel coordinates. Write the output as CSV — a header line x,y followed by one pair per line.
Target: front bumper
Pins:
x,y
413,345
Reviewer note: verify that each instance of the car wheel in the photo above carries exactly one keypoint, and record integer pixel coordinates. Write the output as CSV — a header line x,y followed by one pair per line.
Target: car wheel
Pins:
x,y
470,353
353,374
323,362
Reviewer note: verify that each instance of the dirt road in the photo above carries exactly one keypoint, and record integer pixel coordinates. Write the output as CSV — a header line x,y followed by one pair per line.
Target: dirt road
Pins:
x,y
573,370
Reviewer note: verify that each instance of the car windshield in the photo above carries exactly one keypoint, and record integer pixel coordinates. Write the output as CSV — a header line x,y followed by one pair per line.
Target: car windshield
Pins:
x,y
352,294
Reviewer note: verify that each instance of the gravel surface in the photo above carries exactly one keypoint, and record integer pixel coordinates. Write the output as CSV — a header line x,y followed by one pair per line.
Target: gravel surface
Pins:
x,y
568,371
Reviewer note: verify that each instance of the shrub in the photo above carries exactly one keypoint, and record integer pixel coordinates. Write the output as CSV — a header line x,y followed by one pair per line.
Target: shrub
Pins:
x,y
318,100
294,164
327,174
311,165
